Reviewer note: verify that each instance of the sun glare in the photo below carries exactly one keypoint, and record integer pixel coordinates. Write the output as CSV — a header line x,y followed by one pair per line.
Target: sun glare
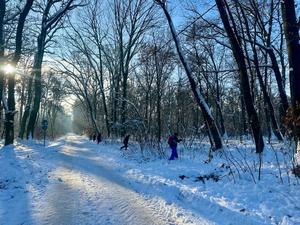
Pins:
x,y
8,69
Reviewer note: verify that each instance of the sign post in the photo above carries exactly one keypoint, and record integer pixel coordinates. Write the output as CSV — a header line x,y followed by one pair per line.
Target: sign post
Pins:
x,y
44,127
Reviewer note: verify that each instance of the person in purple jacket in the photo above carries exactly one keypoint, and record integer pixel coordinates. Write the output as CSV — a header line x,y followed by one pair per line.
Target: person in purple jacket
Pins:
x,y
173,141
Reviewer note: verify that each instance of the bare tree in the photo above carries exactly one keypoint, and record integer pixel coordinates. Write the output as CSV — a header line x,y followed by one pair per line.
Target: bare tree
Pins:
x,y
131,20
244,79
9,105
53,13
197,93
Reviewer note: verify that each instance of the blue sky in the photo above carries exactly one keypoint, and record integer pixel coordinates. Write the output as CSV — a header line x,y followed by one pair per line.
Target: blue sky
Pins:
x,y
179,8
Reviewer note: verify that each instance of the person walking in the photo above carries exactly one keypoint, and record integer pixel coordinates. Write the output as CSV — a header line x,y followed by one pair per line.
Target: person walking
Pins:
x,y
125,142
99,139
173,141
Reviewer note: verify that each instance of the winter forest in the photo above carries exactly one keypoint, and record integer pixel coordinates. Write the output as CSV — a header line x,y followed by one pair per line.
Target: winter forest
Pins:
x,y
77,76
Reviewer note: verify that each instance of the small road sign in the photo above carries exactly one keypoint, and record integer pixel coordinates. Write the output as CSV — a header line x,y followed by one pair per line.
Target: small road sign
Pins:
x,y
45,124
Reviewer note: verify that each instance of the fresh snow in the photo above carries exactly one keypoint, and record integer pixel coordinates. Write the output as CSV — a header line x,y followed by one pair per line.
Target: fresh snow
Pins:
x,y
75,181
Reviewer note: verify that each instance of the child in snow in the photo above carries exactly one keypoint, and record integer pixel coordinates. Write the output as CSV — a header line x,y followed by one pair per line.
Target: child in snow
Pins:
x,y
125,142
172,141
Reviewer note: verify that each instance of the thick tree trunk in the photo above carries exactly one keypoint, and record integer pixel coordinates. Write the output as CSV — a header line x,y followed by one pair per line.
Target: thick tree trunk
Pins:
x,y
218,143
11,108
291,29
37,73
10,111
244,80
36,103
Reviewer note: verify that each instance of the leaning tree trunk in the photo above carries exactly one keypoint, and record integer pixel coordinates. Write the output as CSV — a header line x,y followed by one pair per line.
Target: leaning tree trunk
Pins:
x,y
218,143
244,79
291,30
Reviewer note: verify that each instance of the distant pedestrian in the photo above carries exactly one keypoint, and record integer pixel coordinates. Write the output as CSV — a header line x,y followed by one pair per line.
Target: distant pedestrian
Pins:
x,y
99,138
94,137
173,141
125,142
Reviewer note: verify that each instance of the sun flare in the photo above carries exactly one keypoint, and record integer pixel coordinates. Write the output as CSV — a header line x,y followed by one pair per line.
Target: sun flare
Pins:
x,y
8,69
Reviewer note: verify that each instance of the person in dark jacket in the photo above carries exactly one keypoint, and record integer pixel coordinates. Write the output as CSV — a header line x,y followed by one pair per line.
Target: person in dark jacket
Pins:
x,y
99,138
125,142
173,141
94,137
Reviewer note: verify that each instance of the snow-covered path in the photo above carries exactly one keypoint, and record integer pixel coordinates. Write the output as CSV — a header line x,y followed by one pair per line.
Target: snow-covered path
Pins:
x,y
74,181
87,188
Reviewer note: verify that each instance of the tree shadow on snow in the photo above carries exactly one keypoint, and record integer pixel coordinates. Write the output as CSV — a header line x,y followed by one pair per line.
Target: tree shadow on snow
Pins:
x,y
15,207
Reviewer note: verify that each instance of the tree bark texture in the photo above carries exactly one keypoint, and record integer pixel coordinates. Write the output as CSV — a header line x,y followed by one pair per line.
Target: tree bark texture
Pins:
x,y
291,30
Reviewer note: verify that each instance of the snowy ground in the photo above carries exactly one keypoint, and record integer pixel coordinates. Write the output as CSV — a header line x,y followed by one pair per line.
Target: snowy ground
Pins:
x,y
75,181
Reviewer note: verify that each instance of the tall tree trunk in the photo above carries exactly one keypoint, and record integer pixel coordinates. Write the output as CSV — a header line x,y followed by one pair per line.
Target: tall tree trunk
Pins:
x,y
10,111
158,93
123,104
218,104
37,72
244,80
103,95
2,59
218,143
291,29
11,108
